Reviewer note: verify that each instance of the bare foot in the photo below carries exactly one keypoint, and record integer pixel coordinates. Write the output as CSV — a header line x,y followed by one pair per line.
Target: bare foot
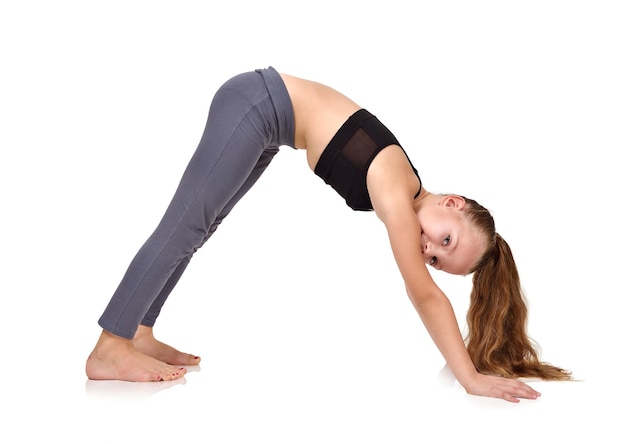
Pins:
x,y
117,358
145,342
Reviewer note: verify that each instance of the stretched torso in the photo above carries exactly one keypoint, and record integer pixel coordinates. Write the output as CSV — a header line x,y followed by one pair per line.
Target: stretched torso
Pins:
x,y
320,111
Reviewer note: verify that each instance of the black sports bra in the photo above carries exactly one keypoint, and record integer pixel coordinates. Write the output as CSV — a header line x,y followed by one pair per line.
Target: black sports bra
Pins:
x,y
344,163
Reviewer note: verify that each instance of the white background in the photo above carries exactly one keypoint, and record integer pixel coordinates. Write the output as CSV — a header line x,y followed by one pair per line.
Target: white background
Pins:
x,y
295,304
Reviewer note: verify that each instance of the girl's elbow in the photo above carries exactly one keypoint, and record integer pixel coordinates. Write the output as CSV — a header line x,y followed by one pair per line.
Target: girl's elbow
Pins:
x,y
424,297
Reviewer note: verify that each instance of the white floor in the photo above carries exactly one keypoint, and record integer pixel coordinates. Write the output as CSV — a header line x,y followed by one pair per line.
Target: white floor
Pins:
x,y
295,304
258,392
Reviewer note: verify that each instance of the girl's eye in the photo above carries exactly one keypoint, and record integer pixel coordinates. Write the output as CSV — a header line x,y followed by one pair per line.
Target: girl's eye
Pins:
x,y
446,241
433,261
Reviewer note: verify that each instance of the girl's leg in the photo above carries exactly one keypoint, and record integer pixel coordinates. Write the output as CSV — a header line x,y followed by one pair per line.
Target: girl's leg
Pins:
x,y
152,314
144,339
240,139
223,168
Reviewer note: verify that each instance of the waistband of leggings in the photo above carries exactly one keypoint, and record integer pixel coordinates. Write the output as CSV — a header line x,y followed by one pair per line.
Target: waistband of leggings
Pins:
x,y
282,104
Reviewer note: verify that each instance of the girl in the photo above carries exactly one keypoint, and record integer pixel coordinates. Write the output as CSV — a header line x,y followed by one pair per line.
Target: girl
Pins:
x,y
251,116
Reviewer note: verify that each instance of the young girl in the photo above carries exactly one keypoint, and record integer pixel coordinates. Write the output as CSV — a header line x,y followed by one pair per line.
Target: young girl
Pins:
x,y
251,116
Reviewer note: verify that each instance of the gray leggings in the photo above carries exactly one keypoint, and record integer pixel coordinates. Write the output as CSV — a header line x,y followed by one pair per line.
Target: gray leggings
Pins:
x,y
250,117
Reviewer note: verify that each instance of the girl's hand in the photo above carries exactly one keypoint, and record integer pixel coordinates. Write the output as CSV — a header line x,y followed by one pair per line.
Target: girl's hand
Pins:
x,y
496,387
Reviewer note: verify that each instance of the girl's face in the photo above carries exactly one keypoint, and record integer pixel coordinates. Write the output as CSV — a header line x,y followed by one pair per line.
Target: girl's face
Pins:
x,y
449,241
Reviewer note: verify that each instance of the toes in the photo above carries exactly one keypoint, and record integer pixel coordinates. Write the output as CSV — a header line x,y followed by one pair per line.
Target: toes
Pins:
x,y
171,375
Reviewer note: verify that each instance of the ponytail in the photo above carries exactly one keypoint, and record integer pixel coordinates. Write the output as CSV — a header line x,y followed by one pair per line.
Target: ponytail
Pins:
x,y
497,340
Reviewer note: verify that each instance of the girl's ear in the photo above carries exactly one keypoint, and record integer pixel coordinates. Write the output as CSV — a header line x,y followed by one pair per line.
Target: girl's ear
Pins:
x,y
453,201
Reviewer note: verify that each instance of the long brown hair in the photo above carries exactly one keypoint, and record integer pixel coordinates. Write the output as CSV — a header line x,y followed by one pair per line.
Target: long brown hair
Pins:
x,y
497,340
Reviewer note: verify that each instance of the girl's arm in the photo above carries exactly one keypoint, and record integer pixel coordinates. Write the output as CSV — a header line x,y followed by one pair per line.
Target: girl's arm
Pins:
x,y
391,196
437,314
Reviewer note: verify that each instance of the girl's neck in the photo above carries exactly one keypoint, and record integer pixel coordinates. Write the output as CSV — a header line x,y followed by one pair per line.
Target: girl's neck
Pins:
x,y
424,196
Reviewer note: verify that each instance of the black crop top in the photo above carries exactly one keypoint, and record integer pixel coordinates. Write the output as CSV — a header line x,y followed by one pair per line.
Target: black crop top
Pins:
x,y
344,163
